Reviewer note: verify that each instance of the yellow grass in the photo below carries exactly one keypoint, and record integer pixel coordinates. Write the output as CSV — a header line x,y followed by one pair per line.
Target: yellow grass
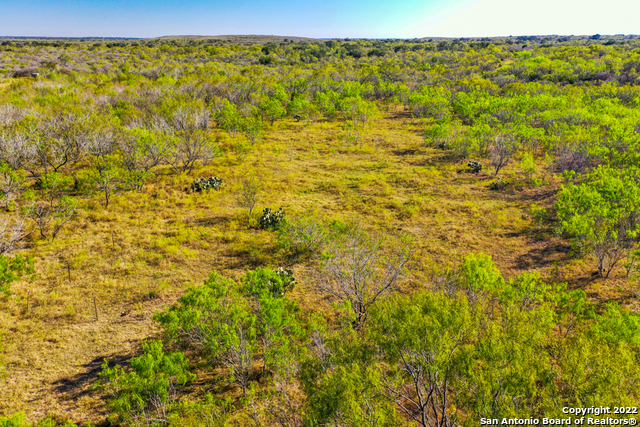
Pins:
x,y
140,254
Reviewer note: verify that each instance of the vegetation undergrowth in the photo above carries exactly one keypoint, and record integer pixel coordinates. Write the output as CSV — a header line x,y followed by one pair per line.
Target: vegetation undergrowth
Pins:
x,y
281,232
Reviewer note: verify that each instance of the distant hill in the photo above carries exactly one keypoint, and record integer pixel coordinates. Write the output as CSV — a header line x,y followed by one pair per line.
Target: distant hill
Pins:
x,y
241,39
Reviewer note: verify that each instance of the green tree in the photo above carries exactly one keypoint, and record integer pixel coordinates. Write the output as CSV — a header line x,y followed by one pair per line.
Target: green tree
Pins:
x,y
357,112
505,370
145,395
142,150
344,384
431,101
279,327
617,325
229,118
510,372
423,339
477,273
602,215
107,177
271,110
594,372
217,319
437,135
253,128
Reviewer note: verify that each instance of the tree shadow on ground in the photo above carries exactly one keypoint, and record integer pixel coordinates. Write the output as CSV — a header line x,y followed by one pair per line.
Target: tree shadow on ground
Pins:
x,y
544,255
79,385
583,281
406,152
404,114
537,194
209,222
444,157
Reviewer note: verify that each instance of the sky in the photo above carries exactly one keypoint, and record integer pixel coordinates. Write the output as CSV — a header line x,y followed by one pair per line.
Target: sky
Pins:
x,y
318,18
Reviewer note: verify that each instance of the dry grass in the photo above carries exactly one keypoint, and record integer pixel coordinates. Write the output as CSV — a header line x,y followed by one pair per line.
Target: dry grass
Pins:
x,y
147,247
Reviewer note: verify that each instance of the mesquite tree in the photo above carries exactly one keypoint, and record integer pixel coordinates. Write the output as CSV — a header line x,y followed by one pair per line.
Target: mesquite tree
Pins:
x,y
145,394
359,269
602,215
501,150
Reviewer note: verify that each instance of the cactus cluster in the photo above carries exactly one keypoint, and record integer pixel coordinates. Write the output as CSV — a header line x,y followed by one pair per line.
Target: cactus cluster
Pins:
x,y
270,219
498,184
475,167
287,278
202,184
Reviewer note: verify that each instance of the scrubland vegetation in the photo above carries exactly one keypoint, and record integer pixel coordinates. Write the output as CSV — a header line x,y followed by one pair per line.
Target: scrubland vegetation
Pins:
x,y
205,232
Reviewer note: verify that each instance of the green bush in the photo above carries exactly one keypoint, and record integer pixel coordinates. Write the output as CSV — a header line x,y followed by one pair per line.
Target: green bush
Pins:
x,y
217,319
303,236
232,325
276,282
18,420
12,269
210,412
601,215
146,393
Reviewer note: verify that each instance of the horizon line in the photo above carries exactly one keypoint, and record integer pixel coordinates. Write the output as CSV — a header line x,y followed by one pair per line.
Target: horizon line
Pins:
x,y
311,38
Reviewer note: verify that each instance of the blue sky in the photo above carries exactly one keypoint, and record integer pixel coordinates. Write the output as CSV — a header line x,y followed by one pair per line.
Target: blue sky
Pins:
x,y
317,18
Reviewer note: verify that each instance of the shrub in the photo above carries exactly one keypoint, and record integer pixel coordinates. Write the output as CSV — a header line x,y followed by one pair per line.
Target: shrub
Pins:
x,y
11,183
501,151
209,412
276,282
270,219
202,184
601,215
12,269
268,60
218,319
358,269
52,217
11,232
303,236
438,135
248,194
146,393
18,420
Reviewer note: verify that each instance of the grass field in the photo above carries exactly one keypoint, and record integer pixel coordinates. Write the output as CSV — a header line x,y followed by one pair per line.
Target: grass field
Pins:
x,y
99,282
